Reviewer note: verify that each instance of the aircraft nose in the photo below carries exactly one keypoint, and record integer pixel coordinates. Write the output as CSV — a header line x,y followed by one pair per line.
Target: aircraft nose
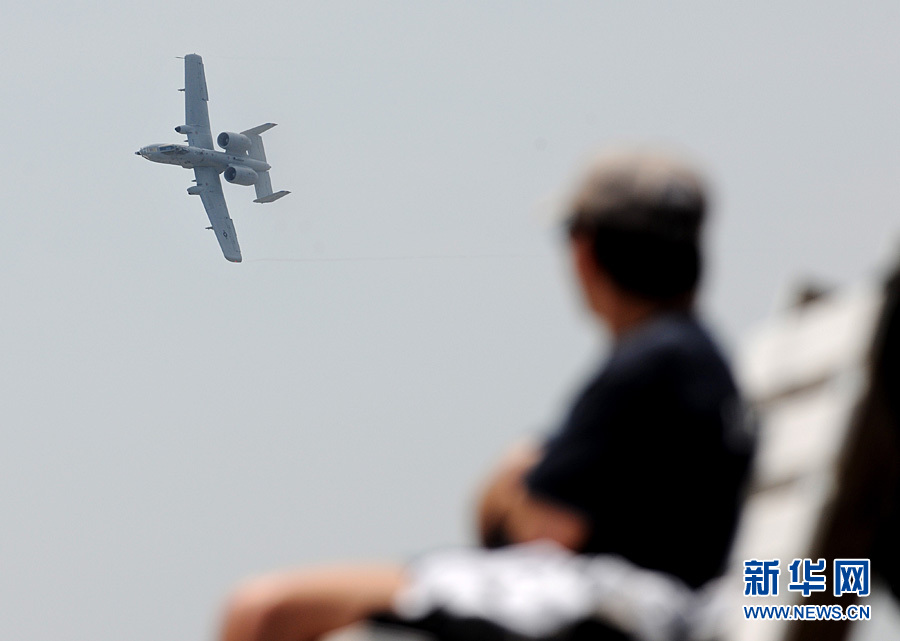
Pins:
x,y
137,153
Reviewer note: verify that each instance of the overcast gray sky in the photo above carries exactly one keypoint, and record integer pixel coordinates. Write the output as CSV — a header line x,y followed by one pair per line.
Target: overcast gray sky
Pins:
x,y
174,422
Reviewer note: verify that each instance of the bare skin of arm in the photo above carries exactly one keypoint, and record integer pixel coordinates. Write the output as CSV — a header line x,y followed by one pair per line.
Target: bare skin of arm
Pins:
x,y
508,512
304,605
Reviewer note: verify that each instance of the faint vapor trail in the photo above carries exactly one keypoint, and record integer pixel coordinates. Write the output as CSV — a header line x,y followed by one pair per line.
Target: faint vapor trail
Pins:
x,y
388,258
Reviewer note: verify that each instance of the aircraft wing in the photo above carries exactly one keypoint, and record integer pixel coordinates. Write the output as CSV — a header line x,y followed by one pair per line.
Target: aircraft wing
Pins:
x,y
210,190
196,110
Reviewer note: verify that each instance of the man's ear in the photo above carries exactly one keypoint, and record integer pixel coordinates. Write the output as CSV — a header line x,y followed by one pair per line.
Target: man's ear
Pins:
x,y
583,258
597,287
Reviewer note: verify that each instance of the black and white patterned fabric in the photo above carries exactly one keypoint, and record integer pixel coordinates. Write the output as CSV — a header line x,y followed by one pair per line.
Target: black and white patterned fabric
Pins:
x,y
540,590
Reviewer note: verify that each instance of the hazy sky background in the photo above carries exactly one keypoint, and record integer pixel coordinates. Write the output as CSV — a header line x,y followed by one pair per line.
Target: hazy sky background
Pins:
x,y
174,422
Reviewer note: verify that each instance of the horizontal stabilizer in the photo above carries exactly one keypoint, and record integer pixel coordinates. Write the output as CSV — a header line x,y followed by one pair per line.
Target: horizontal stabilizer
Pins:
x,y
272,197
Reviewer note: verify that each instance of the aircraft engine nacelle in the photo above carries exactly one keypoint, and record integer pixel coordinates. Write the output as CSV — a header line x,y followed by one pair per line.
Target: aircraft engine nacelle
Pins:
x,y
241,175
233,143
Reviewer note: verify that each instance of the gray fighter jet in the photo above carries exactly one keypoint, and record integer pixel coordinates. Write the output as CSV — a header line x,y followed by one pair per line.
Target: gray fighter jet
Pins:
x,y
243,162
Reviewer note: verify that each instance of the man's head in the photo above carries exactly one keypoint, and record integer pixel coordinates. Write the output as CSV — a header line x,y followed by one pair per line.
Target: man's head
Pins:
x,y
635,224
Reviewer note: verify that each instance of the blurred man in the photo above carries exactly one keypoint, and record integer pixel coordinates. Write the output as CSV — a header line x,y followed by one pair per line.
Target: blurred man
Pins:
x,y
649,462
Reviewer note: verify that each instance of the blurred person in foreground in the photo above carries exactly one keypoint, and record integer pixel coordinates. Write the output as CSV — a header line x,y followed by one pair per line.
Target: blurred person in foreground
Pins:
x,y
648,464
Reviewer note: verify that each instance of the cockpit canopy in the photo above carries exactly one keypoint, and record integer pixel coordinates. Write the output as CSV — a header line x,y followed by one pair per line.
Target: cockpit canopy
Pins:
x,y
164,148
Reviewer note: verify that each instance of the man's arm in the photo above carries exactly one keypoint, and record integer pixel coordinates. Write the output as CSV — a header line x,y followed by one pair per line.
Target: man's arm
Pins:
x,y
509,513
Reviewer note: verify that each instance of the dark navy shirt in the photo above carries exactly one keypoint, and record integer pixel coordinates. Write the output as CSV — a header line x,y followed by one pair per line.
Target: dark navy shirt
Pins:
x,y
654,452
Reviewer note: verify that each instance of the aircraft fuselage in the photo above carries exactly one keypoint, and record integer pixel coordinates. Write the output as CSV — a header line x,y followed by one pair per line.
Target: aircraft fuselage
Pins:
x,y
190,157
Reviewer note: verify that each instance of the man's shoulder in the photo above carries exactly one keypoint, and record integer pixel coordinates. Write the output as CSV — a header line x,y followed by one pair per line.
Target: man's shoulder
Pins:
x,y
669,358
668,345
663,337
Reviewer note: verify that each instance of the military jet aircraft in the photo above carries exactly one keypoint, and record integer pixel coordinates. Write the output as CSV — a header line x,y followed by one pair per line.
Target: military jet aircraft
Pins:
x,y
243,162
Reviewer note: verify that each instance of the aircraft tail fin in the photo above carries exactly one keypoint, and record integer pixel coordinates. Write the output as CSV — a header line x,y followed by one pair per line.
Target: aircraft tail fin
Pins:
x,y
257,151
264,190
271,197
